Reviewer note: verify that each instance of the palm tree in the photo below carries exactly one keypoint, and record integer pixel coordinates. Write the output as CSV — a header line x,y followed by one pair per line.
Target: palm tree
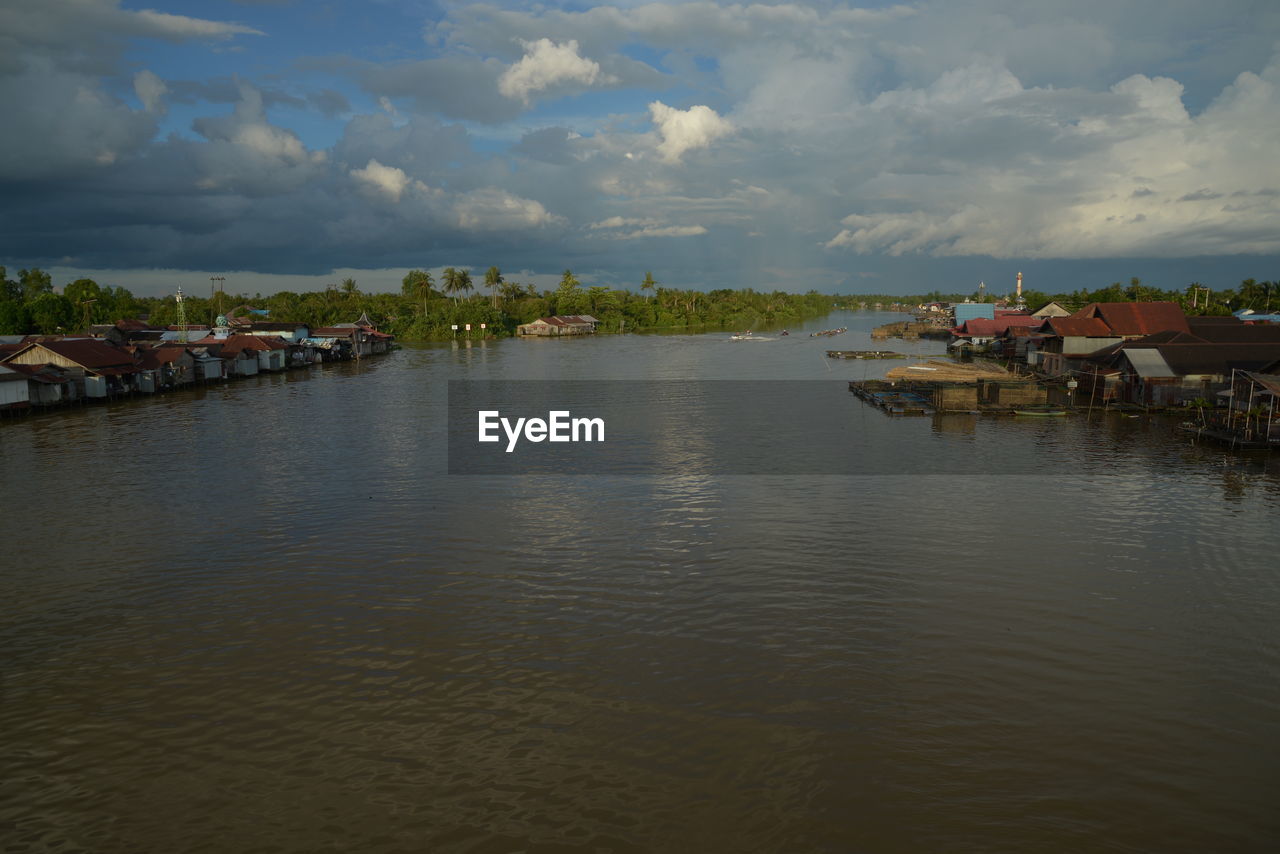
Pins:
x,y
648,284
493,280
464,281
417,283
512,290
349,287
449,281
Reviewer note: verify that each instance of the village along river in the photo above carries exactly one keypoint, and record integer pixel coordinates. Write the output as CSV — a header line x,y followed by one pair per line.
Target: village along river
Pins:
x,y
265,617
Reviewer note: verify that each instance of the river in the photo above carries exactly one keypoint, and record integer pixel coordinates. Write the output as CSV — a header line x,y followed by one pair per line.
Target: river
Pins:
x,y
266,617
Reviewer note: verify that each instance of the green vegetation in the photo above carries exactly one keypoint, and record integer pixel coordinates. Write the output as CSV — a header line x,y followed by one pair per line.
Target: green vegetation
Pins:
x,y
424,310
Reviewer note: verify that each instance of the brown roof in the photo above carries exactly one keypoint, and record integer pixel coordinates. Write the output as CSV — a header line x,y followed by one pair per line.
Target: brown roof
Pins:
x,y
1197,357
152,358
1079,327
236,343
1237,333
1137,318
88,353
999,326
40,373
1218,358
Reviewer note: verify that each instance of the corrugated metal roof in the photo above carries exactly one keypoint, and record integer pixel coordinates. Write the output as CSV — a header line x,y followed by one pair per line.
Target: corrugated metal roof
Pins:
x,y
1079,327
89,353
1137,318
970,310
1148,362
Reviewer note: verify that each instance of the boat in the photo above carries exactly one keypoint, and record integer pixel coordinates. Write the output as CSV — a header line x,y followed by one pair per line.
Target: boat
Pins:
x,y
1039,412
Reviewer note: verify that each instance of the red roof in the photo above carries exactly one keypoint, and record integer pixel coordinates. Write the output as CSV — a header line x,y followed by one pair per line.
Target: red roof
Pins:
x,y
999,326
264,343
1137,318
1079,327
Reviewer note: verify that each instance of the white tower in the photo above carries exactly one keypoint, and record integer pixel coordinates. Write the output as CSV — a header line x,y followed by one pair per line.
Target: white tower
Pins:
x,y
1020,302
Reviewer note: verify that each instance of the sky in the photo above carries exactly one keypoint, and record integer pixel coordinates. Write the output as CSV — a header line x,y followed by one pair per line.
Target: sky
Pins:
x,y
844,147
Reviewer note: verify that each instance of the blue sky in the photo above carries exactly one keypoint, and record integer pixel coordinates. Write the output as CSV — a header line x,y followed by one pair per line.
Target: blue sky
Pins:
x,y
874,147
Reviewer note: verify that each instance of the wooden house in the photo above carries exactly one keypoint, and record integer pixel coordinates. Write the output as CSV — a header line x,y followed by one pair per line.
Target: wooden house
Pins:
x,y
97,369
570,324
22,386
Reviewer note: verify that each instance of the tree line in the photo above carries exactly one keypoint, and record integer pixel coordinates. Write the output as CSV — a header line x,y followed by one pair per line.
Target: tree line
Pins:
x,y
426,308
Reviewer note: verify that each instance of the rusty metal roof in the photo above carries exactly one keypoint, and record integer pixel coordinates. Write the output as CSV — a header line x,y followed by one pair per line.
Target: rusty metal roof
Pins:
x,y
1137,318
88,353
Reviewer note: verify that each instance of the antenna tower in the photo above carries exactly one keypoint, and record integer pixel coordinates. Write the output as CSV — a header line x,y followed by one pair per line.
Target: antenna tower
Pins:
x,y
182,318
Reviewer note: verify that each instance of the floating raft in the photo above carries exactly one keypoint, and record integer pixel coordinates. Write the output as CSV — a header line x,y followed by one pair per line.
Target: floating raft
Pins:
x,y
892,400
865,354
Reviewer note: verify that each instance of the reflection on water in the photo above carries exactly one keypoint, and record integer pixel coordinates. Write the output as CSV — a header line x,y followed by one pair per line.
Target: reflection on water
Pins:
x,y
262,617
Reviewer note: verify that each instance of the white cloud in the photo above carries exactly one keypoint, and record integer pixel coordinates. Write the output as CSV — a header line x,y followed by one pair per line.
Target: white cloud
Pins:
x,y
1125,173
164,25
619,222
642,227
661,231
493,210
387,180
685,130
545,64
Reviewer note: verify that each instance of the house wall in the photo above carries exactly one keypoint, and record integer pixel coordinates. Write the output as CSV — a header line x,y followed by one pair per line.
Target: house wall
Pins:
x,y
48,393
14,392
41,356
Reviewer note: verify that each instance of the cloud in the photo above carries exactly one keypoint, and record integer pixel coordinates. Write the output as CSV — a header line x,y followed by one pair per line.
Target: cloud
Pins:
x,y
246,153
1124,174
150,90
492,209
462,87
547,64
686,130
386,180
89,129
180,27
639,227
893,136
329,102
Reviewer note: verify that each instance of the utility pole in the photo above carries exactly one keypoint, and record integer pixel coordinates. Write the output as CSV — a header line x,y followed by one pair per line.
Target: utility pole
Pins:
x,y
86,304
219,280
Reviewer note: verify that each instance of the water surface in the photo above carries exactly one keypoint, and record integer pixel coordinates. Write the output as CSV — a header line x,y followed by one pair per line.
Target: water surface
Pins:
x,y
262,617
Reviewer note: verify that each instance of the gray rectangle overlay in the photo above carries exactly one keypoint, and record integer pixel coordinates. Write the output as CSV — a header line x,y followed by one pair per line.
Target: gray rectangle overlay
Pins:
x,y
739,427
